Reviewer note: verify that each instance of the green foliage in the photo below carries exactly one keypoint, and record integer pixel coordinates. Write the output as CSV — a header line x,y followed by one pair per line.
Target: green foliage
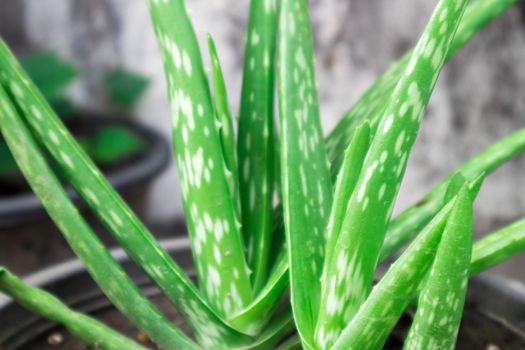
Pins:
x,y
305,178
93,332
114,143
50,73
119,288
124,88
441,300
255,145
333,225
7,162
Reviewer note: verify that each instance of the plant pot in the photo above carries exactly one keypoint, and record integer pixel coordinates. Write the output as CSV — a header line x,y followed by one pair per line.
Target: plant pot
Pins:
x,y
494,316
27,231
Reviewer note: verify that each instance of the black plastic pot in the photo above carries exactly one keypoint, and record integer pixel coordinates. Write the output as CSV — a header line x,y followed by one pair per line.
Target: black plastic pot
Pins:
x,y
494,316
28,237
138,171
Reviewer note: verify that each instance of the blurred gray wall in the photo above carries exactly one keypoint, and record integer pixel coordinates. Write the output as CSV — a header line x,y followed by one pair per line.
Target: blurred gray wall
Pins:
x,y
479,98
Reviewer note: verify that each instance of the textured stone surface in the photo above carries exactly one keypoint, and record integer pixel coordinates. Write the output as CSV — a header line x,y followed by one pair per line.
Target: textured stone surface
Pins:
x,y
479,97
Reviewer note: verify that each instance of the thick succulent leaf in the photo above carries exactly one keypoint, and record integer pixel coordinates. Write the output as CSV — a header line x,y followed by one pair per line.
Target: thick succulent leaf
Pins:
x,y
441,301
255,147
498,247
225,127
216,239
406,224
292,343
371,205
306,183
121,222
478,15
457,181
255,315
86,328
372,105
346,180
394,292
102,267
281,325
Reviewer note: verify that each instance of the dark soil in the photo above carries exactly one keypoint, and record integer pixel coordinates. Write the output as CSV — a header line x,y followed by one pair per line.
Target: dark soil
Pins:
x,y
61,339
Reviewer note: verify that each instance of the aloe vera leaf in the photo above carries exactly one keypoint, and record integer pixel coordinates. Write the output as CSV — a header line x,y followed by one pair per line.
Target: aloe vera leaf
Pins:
x,y
254,316
394,292
255,146
498,246
281,325
477,16
225,129
305,176
406,224
457,181
346,180
101,266
373,103
371,205
217,244
86,328
404,227
121,222
441,301
292,343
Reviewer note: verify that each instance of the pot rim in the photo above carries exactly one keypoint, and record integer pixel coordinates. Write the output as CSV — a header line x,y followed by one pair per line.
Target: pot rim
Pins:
x,y
64,270
497,297
156,158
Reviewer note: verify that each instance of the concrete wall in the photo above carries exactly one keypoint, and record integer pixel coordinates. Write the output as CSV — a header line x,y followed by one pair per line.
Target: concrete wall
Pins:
x,y
479,98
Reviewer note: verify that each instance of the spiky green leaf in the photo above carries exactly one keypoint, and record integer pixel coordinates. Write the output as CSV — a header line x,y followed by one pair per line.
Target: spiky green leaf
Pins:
x,y
102,267
440,305
371,205
217,245
346,180
255,147
371,107
498,246
406,224
120,220
86,328
306,184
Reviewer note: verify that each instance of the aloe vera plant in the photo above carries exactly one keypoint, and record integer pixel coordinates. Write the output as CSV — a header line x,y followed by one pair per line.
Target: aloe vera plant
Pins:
x,y
333,225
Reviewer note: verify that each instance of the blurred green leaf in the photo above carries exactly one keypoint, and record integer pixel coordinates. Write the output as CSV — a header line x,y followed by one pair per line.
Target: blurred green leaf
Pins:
x,y
124,88
62,106
51,73
114,143
7,162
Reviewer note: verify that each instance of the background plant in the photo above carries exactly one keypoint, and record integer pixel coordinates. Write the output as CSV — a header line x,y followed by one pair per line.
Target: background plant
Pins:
x,y
53,75
336,203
